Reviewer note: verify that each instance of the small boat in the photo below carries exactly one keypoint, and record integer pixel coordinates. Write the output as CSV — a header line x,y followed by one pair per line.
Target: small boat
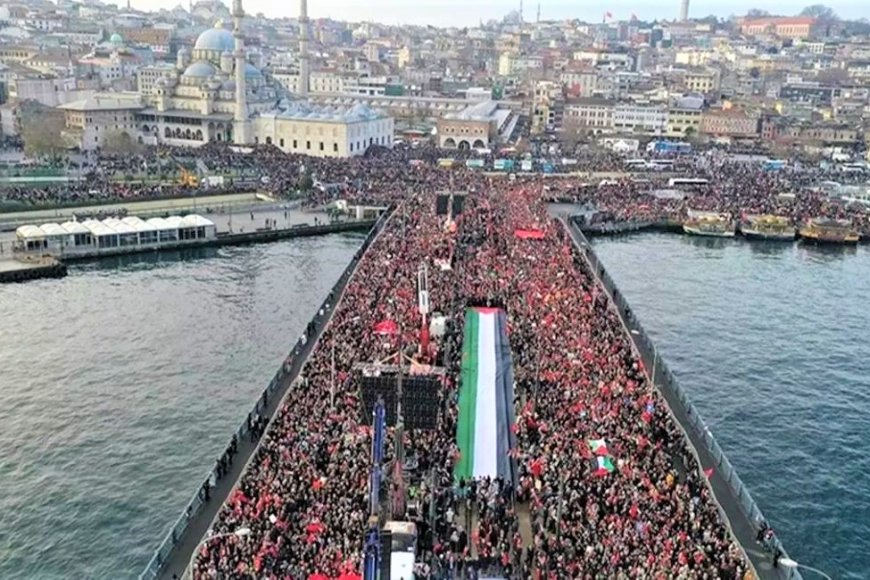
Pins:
x,y
829,231
704,223
767,227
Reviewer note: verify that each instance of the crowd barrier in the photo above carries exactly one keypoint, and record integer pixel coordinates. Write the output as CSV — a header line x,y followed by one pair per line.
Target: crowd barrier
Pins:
x,y
696,430
291,367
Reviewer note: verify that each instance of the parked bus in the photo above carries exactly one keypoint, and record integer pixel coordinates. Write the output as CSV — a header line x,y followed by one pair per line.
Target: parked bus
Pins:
x,y
692,182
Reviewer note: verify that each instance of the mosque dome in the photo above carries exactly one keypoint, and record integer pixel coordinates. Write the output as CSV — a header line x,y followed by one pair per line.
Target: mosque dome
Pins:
x,y
251,71
116,39
200,69
218,38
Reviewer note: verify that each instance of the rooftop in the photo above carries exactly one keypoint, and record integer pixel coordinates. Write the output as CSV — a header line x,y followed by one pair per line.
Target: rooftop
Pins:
x,y
105,102
303,110
482,111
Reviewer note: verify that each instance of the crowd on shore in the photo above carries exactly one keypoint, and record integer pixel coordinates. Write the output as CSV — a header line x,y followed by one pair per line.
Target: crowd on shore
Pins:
x,y
737,185
304,496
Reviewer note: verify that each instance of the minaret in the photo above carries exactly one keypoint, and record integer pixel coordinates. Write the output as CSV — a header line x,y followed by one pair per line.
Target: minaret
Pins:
x,y
684,11
521,11
304,71
240,118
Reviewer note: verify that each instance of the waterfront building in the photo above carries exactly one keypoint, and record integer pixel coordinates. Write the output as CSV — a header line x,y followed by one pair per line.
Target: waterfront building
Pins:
x,y
478,126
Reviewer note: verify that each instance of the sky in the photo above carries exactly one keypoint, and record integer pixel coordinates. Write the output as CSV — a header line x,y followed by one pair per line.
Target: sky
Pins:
x,y
470,12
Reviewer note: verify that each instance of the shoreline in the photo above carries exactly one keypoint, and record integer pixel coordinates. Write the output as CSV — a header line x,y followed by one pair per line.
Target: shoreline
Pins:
x,y
15,270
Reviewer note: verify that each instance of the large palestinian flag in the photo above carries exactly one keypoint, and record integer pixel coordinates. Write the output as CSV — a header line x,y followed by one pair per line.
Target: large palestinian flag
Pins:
x,y
486,398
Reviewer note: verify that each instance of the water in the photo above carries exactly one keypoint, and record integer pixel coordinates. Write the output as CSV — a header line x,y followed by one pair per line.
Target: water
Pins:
x,y
769,341
122,383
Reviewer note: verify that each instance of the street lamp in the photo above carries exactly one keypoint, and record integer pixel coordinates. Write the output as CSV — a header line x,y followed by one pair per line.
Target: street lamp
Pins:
x,y
241,533
636,332
789,563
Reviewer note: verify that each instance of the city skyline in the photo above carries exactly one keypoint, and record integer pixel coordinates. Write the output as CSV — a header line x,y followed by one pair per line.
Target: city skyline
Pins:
x,y
463,13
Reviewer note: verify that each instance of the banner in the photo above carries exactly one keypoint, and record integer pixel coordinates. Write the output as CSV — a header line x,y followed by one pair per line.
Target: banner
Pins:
x,y
526,165
529,234
474,163
503,164
486,411
446,162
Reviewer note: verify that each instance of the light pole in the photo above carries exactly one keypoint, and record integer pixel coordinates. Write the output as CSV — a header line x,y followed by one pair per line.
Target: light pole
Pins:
x,y
240,533
791,564
636,332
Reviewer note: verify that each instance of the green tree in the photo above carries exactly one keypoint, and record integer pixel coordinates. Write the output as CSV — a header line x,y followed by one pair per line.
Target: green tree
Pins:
x,y
757,13
819,11
120,142
41,130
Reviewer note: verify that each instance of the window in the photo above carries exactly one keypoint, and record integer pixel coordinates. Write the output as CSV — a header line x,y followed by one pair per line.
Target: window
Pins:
x,y
294,144
308,145
335,147
351,147
321,145
282,143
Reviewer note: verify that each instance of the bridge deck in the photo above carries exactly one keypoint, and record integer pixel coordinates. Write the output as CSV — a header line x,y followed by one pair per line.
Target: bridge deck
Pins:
x,y
742,528
202,521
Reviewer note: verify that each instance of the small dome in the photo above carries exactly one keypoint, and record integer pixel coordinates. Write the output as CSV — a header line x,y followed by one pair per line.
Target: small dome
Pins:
x,y
183,50
161,82
200,69
214,84
219,39
229,85
116,39
251,71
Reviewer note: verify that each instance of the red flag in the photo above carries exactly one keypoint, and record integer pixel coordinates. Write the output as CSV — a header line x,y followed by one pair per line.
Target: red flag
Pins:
x,y
386,327
708,472
609,14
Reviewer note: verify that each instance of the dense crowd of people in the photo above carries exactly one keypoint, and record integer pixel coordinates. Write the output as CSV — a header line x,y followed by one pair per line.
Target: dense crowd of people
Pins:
x,y
738,185
606,484
305,498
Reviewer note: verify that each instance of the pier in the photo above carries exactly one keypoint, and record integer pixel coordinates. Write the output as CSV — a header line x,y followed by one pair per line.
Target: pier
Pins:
x,y
28,268
732,497
31,269
190,528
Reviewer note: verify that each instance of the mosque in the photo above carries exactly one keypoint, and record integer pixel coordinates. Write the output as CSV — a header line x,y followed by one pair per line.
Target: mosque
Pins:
x,y
218,92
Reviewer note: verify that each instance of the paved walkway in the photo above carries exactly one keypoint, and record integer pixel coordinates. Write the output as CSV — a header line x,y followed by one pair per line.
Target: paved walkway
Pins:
x,y
190,204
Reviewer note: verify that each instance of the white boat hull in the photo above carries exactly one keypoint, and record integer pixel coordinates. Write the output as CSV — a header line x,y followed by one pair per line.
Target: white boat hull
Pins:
x,y
708,233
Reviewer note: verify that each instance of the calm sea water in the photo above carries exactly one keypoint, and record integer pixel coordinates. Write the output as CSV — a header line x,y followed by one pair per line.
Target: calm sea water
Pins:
x,y
770,342
121,384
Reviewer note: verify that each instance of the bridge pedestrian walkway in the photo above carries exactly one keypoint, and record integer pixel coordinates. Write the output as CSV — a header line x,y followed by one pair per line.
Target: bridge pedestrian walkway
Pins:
x,y
722,480
200,522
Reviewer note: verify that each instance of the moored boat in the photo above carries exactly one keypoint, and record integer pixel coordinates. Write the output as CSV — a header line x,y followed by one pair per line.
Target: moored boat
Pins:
x,y
829,231
767,227
704,223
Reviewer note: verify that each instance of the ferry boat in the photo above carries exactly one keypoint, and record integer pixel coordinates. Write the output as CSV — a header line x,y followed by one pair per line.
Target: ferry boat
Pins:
x,y
767,227
704,223
829,231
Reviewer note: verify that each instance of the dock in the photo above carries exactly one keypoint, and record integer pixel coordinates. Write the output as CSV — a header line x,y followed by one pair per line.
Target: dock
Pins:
x,y
183,538
28,267
13,270
739,511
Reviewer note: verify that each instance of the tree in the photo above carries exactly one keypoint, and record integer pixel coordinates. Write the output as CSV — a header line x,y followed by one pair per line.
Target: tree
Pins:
x,y
819,11
41,130
120,142
757,13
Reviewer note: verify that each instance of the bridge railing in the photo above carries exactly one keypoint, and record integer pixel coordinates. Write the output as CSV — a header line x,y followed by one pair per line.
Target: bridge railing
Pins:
x,y
667,384
193,507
